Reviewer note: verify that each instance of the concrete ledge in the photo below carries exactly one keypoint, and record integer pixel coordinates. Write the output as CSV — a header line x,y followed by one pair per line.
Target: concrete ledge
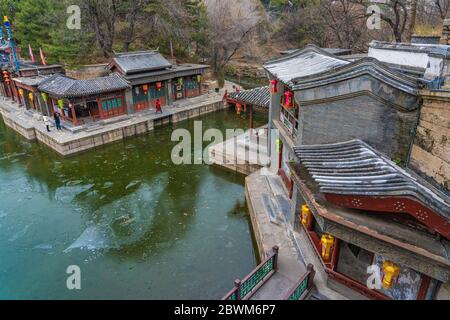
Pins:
x,y
76,141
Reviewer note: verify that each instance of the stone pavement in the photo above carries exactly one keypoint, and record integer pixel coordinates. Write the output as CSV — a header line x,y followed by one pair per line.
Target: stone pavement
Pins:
x,y
270,212
267,215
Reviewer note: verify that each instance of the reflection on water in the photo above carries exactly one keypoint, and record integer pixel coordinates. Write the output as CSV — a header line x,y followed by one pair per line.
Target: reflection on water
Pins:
x,y
137,226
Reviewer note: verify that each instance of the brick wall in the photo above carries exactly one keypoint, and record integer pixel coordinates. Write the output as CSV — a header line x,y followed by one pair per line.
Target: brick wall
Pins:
x,y
363,117
431,150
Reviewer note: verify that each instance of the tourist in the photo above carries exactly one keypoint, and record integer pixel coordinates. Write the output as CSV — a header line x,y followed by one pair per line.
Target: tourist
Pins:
x,y
158,106
46,123
57,118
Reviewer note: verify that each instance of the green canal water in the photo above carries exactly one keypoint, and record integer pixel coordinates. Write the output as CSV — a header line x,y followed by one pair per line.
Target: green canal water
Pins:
x,y
138,226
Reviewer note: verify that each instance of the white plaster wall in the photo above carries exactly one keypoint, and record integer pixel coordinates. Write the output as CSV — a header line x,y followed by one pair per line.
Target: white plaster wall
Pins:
x,y
414,59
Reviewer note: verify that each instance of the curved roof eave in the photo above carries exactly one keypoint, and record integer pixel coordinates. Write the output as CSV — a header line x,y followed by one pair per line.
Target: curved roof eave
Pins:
x,y
312,59
366,66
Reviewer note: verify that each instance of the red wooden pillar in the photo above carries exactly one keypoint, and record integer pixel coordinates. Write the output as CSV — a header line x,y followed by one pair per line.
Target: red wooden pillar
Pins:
x,y
335,254
100,108
251,116
424,286
124,102
74,115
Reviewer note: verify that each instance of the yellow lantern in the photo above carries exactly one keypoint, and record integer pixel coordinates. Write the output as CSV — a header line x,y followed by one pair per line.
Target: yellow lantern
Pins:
x,y
31,96
44,96
306,216
327,246
61,104
21,92
391,274
199,78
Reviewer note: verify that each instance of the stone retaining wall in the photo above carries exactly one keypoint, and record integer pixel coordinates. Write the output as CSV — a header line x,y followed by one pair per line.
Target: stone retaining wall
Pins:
x,y
431,150
116,133
27,132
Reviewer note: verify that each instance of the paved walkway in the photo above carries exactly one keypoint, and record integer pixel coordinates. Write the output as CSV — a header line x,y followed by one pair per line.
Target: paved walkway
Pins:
x,y
269,210
271,214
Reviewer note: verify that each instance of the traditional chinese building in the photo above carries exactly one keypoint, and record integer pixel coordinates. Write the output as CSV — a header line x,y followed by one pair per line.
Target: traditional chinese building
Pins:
x,y
152,77
359,209
84,101
348,127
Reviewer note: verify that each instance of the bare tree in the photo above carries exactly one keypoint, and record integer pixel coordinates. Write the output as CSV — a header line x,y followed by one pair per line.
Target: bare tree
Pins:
x,y
232,22
102,15
443,7
347,23
412,23
395,13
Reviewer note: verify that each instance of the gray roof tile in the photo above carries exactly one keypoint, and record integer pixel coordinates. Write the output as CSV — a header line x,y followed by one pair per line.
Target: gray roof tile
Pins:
x,y
302,63
354,168
258,96
65,87
142,61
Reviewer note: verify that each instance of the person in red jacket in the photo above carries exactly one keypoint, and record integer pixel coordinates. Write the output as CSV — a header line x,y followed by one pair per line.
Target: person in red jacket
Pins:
x,y
158,106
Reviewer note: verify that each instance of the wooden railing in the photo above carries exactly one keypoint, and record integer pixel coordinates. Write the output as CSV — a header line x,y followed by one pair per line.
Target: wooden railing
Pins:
x,y
245,289
303,287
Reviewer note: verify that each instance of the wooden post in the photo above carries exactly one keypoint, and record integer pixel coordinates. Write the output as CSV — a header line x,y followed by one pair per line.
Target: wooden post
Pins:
x,y
237,285
251,116
276,250
74,115
100,108
335,255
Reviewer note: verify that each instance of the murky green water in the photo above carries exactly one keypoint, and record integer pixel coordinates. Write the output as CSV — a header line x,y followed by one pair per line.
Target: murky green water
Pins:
x,y
137,226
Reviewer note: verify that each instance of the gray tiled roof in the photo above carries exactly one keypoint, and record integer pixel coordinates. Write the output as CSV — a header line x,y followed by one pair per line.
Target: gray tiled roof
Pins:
x,y
258,96
302,63
65,87
142,61
30,81
354,168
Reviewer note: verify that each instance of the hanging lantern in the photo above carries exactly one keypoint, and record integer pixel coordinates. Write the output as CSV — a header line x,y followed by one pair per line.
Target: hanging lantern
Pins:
x,y
391,274
289,99
274,84
327,247
31,96
6,76
158,86
145,89
44,96
199,78
136,90
306,217
21,92
180,81
61,104
238,108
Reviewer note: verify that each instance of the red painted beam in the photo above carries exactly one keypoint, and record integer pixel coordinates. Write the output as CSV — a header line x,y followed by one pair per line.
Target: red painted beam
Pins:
x,y
394,205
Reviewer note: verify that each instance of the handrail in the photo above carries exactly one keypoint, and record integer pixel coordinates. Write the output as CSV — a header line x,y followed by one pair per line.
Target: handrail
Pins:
x,y
304,286
245,288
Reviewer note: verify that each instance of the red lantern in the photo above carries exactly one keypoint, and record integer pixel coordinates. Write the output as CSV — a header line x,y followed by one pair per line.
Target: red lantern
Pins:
x,y
289,101
238,108
274,84
145,88
158,86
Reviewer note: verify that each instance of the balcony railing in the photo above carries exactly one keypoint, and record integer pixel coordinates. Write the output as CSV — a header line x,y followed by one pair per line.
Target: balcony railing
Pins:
x,y
243,290
303,287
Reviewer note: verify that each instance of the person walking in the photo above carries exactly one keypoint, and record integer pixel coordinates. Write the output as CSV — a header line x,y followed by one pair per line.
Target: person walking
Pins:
x,y
57,118
158,106
46,123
